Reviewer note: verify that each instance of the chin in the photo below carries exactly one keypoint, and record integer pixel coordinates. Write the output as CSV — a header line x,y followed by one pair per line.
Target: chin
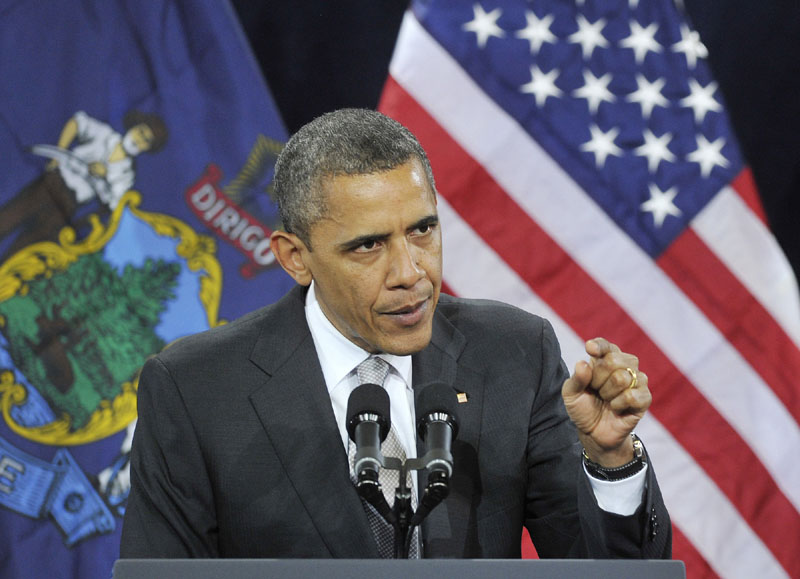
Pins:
x,y
407,345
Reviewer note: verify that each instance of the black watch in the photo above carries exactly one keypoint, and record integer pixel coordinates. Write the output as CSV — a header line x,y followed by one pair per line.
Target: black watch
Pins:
x,y
618,472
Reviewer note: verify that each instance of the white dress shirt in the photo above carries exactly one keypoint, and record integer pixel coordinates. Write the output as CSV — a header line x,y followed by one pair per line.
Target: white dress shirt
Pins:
x,y
339,358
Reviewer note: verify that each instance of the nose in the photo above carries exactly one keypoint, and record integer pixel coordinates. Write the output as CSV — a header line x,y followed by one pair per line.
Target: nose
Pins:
x,y
404,269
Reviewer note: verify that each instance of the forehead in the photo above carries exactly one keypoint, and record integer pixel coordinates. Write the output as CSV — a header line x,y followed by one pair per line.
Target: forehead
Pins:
x,y
402,191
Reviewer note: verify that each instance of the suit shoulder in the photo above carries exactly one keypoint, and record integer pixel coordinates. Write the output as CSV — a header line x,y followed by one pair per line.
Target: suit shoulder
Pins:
x,y
476,315
230,340
498,337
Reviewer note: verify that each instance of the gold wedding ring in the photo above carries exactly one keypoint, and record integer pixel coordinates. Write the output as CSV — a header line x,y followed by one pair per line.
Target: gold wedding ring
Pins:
x,y
634,378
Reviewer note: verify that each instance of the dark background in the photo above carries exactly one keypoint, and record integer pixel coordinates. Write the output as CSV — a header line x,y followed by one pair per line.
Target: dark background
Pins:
x,y
320,55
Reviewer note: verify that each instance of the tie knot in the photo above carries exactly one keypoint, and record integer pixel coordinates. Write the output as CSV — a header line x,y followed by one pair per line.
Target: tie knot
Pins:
x,y
373,370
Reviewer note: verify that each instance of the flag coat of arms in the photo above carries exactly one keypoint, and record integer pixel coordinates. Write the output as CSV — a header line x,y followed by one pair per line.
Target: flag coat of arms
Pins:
x,y
137,141
587,172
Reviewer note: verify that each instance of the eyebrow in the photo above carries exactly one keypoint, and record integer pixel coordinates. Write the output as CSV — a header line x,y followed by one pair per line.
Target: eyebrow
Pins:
x,y
428,220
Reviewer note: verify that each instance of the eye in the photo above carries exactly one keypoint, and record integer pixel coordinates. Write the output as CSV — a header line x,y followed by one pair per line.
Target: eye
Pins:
x,y
367,246
423,229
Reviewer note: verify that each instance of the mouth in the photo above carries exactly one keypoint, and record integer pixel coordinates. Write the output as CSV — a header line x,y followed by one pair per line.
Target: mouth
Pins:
x,y
409,315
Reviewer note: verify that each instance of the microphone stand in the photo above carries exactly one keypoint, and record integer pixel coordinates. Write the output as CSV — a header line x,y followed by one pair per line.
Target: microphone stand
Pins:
x,y
404,518
402,512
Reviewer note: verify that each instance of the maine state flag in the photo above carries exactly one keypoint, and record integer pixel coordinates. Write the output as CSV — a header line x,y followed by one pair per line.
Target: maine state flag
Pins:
x,y
137,143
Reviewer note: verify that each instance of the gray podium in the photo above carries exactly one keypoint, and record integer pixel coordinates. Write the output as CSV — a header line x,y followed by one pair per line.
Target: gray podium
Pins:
x,y
348,568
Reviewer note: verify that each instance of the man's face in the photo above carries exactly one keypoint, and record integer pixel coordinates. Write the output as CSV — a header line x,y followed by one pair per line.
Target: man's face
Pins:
x,y
138,139
377,259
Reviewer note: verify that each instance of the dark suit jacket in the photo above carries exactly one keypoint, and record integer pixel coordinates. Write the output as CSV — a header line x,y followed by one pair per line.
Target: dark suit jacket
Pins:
x,y
237,453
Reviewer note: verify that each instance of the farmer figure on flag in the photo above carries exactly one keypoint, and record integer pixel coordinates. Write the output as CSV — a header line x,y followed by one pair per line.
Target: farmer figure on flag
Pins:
x,y
90,161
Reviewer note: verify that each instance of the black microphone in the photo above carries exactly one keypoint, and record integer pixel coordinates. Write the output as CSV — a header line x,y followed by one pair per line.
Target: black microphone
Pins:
x,y
368,424
437,426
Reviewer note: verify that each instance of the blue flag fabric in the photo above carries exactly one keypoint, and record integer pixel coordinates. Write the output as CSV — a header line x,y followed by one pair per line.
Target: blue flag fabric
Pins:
x,y
137,142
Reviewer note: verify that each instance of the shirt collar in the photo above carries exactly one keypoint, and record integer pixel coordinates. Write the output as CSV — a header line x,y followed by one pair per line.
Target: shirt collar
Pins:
x,y
337,355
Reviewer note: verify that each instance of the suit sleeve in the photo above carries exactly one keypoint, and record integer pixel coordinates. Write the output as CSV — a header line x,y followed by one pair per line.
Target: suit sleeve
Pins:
x,y
562,515
170,511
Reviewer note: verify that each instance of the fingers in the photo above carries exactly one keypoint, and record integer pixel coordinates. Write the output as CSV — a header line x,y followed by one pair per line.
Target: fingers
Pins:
x,y
605,398
599,347
625,399
616,378
619,380
607,358
580,379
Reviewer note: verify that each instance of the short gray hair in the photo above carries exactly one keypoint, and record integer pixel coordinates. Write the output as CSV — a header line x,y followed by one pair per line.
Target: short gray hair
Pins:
x,y
343,142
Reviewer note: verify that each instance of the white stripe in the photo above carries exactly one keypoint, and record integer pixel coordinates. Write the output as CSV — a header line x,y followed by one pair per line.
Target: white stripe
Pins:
x,y
703,513
474,270
696,505
671,320
750,251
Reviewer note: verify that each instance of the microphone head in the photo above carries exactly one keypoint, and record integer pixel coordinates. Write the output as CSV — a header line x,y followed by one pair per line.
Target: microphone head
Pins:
x,y
369,399
440,399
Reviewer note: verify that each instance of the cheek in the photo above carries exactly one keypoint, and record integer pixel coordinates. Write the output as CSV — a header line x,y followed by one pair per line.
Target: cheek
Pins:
x,y
431,260
360,295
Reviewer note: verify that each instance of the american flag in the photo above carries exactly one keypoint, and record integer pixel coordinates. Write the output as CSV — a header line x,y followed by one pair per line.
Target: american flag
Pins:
x,y
588,172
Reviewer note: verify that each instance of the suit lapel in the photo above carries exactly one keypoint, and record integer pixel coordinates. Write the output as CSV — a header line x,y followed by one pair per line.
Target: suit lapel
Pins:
x,y
294,408
446,527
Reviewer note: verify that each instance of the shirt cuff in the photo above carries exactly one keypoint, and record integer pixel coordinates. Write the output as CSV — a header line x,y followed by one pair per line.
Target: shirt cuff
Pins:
x,y
621,497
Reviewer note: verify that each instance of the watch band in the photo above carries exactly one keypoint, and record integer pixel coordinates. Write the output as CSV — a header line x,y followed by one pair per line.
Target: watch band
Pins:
x,y
618,472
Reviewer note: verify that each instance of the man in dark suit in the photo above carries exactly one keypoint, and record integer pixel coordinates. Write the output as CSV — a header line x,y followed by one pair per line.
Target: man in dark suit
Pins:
x,y
241,450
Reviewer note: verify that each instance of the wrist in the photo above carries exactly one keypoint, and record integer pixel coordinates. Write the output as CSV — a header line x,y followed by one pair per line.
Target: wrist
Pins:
x,y
608,457
616,470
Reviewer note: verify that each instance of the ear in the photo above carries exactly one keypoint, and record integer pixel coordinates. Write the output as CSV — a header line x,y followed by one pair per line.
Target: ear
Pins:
x,y
290,250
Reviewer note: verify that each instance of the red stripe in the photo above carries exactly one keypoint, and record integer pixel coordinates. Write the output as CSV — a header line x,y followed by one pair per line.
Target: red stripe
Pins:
x,y
745,186
696,566
734,311
586,307
528,550
446,288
